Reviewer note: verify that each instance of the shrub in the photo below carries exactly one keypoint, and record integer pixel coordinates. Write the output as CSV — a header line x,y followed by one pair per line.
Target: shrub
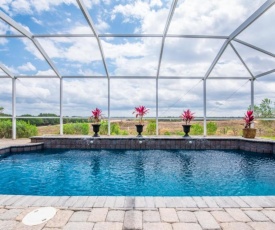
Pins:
x,y
115,129
167,133
181,133
151,127
23,129
76,128
196,129
211,128
5,128
103,127
124,132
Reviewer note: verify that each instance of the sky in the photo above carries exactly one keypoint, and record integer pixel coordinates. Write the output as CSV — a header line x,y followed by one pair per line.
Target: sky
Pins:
x,y
135,56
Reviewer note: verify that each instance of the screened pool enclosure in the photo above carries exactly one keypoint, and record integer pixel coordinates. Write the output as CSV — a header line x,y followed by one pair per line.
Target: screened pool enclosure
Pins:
x,y
215,57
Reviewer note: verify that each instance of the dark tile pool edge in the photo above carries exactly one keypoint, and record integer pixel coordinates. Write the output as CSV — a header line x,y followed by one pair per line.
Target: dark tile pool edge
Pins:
x,y
21,148
178,143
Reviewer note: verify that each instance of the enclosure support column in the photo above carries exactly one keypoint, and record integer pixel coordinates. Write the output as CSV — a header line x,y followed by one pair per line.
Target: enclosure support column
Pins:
x,y
252,94
157,106
204,109
252,99
109,98
14,108
61,106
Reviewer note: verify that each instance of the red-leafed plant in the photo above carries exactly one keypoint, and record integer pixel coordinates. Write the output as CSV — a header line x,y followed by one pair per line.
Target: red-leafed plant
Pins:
x,y
96,115
187,116
248,118
140,112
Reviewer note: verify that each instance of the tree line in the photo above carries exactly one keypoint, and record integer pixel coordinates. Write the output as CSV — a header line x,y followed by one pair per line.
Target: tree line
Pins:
x,y
44,121
266,109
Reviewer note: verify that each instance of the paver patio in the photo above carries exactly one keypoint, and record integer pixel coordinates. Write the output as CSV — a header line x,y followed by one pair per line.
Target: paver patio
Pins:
x,y
256,213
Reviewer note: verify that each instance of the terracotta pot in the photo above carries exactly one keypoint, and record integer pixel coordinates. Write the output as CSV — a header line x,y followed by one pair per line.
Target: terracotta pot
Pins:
x,y
249,133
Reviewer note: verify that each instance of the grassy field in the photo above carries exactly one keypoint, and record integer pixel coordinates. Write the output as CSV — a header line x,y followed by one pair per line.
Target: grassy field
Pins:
x,y
223,128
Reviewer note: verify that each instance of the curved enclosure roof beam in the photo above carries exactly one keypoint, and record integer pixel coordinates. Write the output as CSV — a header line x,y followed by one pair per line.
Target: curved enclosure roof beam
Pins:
x,y
29,35
6,71
116,36
240,29
91,24
171,13
265,73
254,47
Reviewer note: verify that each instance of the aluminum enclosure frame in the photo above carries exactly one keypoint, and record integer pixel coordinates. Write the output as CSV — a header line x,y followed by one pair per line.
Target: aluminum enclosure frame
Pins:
x,y
228,42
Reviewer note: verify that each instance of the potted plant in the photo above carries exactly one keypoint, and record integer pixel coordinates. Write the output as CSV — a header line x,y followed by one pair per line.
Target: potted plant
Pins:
x,y
249,132
187,116
140,112
96,117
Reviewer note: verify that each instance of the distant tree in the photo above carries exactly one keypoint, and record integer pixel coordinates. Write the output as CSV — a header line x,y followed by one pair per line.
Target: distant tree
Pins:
x,y
1,109
264,110
32,121
47,115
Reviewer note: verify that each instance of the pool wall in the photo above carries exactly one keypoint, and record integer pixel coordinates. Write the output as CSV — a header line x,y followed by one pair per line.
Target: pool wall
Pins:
x,y
22,148
87,142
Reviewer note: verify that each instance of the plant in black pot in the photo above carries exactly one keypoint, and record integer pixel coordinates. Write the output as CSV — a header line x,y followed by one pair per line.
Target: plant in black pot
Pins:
x,y
248,131
140,112
96,117
187,116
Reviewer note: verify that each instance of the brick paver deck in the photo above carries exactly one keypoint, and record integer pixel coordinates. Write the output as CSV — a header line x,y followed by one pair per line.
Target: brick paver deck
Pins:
x,y
79,212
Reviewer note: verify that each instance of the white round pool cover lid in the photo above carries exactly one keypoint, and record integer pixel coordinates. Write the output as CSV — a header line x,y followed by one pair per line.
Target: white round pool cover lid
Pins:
x,y
39,216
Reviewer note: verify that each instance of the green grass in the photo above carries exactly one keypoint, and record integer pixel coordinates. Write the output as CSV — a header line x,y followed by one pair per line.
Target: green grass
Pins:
x,y
272,138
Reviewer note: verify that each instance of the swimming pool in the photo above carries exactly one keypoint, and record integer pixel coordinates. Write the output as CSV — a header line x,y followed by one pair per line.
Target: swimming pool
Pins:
x,y
138,173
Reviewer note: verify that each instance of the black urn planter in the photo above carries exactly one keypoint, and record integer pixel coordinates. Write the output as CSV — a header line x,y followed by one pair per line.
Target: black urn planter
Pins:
x,y
139,130
96,129
186,130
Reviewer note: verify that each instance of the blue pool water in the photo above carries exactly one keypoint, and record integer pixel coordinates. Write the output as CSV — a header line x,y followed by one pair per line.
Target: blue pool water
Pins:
x,y
138,173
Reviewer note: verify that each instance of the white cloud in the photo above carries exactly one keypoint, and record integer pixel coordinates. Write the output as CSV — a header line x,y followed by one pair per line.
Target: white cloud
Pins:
x,y
81,50
138,57
156,3
2,73
27,67
39,22
48,72
215,17
101,25
31,48
80,29
12,69
21,6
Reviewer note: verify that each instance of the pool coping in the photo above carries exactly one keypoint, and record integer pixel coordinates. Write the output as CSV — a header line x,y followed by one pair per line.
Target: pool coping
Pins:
x,y
21,148
139,202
